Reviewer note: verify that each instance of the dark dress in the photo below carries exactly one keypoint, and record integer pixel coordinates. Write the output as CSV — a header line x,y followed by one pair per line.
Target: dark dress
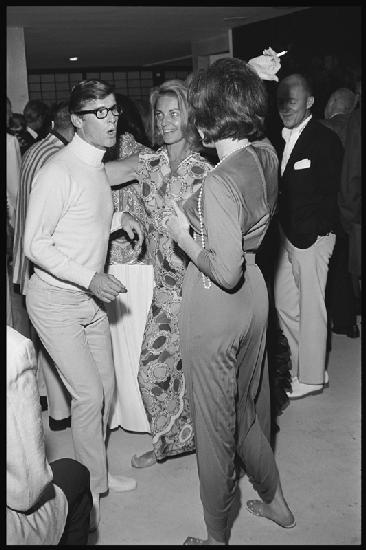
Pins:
x,y
223,331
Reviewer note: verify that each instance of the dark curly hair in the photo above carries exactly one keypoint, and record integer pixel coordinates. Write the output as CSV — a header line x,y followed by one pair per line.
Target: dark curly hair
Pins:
x,y
228,100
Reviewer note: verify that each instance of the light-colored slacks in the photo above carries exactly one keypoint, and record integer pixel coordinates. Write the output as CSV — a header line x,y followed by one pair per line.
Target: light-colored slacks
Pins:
x,y
57,395
299,291
75,331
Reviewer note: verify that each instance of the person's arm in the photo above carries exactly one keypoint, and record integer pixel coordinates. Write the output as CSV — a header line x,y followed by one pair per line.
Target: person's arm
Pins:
x,y
178,228
123,170
28,472
47,203
223,257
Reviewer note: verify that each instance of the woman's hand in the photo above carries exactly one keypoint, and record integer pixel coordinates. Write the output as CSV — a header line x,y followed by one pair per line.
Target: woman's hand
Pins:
x,y
132,227
178,224
266,65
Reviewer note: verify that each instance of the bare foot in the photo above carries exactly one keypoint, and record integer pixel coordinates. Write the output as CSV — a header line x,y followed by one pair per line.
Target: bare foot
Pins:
x,y
277,510
144,460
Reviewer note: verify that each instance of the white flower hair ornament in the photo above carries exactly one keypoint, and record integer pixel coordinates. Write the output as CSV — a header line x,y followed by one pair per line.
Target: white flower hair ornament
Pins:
x,y
267,65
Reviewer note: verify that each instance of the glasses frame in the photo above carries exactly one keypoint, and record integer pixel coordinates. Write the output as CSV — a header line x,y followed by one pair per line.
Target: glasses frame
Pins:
x,y
95,111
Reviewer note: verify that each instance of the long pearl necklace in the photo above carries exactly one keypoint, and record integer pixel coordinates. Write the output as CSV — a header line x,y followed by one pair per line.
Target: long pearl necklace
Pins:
x,y
206,281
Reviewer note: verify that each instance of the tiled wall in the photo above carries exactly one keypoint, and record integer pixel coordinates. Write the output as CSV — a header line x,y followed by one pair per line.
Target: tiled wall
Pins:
x,y
51,87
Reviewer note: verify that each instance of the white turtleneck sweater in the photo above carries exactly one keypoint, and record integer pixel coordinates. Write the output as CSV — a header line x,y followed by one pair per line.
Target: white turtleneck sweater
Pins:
x,y
70,217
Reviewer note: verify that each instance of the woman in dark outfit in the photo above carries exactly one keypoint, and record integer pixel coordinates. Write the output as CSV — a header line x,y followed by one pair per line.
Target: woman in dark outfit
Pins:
x,y
224,310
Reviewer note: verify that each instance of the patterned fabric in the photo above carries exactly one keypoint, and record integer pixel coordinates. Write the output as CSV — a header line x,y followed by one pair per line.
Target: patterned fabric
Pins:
x,y
160,377
34,158
126,197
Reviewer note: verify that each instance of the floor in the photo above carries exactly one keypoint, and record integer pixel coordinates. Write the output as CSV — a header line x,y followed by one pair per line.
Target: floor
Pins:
x,y
318,452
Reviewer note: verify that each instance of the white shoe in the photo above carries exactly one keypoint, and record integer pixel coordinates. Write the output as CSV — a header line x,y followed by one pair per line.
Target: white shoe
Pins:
x,y
301,390
94,514
119,484
326,379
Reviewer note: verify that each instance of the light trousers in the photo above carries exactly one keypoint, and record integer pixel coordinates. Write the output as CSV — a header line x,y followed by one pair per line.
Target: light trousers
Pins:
x,y
58,399
74,329
299,292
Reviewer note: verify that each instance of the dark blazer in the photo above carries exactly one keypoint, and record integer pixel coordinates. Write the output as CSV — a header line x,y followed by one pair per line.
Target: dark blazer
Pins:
x,y
307,203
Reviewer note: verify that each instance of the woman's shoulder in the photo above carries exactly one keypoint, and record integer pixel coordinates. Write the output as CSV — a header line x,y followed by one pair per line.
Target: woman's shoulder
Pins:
x,y
128,146
265,154
199,163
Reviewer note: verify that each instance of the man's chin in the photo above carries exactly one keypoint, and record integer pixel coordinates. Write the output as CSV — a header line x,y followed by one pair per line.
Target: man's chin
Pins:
x,y
110,142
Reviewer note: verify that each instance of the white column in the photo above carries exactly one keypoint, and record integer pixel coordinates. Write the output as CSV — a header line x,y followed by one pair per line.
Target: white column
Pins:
x,y
16,69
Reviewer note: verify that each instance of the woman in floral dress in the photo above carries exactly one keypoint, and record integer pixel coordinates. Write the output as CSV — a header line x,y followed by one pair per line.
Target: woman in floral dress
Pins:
x,y
172,173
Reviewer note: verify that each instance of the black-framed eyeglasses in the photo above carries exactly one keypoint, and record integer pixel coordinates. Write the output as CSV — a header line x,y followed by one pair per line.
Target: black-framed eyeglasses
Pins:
x,y
102,112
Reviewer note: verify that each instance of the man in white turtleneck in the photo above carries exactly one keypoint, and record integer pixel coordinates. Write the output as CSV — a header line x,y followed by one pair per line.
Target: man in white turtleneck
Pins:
x,y
66,237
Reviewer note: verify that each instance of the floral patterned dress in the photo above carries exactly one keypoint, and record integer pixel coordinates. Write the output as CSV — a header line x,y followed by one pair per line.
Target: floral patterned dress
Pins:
x,y
160,377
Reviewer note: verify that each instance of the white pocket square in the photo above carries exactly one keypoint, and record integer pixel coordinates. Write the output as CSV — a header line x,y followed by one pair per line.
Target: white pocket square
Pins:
x,y
301,164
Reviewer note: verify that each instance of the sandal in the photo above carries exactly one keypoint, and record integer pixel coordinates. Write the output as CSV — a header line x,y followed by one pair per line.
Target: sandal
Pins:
x,y
255,507
193,541
143,461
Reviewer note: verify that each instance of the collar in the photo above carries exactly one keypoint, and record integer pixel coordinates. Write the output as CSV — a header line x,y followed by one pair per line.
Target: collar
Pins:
x,y
288,133
336,114
163,152
32,132
86,152
59,136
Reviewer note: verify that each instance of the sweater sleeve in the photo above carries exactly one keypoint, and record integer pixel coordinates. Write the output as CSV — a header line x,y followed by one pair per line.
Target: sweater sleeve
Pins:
x,y
36,508
28,472
47,205
222,259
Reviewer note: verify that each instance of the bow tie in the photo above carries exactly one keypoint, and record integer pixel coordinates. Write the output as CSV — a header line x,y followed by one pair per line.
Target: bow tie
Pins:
x,y
286,134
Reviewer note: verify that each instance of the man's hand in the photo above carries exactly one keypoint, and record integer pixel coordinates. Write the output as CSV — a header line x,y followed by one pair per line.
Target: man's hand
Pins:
x,y
132,227
106,287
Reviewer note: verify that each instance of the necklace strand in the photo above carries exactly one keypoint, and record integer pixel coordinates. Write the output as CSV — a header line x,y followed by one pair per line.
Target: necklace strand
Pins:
x,y
206,280
232,152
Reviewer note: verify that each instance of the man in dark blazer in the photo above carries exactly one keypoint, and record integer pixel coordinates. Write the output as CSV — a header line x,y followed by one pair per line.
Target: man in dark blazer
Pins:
x,y
311,164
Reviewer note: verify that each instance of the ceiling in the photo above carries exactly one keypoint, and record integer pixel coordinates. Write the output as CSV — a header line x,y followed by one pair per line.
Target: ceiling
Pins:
x,y
116,36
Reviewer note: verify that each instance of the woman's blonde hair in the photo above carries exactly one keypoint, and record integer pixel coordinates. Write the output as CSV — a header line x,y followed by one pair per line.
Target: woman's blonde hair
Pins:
x,y
178,89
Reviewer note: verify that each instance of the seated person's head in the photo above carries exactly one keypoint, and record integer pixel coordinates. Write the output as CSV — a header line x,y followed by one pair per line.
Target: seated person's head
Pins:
x,y
228,100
